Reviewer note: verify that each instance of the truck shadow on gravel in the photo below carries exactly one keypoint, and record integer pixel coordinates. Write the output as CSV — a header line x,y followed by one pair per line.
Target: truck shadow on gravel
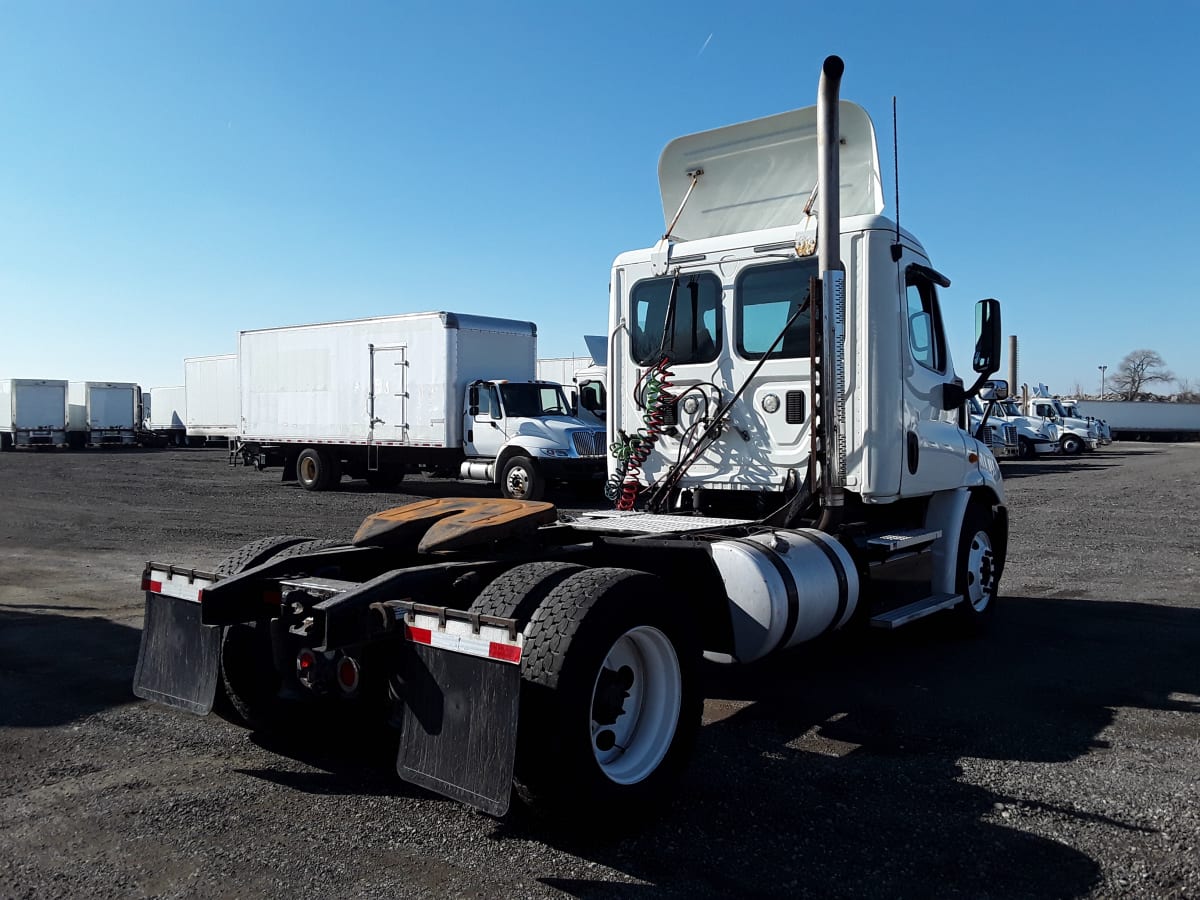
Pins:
x,y
866,768
56,669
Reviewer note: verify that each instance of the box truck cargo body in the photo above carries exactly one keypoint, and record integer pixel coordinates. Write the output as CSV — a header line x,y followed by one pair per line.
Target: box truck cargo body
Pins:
x,y
103,413
1145,420
211,397
373,398
33,413
164,412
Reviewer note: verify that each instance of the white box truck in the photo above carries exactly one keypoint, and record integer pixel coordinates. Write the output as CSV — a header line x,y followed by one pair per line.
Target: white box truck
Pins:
x,y
164,413
211,398
33,413
103,413
509,644
373,398
586,376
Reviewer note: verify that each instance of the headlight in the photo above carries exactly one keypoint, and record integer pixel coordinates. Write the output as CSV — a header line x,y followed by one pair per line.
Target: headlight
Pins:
x,y
770,403
553,451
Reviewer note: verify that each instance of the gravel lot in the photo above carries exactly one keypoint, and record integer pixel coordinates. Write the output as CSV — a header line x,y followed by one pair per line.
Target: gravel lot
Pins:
x,y
1056,756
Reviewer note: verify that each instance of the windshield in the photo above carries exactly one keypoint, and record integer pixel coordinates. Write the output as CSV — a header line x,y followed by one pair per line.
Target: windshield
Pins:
x,y
1010,408
532,401
1058,407
1070,409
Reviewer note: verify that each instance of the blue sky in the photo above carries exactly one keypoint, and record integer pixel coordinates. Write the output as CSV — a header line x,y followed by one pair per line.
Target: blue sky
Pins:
x,y
171,173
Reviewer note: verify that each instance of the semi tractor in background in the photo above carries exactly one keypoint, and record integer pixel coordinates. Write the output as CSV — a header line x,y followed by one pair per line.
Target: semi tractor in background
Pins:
x,y
586,376
104,413
510,643
454,395
33,413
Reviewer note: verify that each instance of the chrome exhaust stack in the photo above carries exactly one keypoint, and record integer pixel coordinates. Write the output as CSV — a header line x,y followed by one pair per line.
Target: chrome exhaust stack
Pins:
x,y
833,295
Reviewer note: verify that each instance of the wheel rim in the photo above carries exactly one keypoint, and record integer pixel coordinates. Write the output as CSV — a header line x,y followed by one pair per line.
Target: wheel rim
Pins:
x,y
308,470
518,482
981,571
635,705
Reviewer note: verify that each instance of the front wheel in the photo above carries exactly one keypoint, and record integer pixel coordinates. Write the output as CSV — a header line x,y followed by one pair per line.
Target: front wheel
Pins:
x,y
521,480
1071,445
1025,449
978,567
610,704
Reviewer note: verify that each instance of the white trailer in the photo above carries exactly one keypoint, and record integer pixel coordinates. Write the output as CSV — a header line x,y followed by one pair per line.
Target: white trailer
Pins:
x,y
373,398
164,413
211,398
1141,420
104,413
33,413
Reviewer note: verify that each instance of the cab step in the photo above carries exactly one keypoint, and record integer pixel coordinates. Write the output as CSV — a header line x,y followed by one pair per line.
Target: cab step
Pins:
x,y
902,615
903,540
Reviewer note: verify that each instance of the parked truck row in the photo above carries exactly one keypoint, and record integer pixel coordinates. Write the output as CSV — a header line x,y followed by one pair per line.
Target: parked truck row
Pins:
x,y
790,457
40,412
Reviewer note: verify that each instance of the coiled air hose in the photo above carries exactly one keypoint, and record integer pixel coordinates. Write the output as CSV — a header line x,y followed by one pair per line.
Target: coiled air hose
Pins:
x,y
632,451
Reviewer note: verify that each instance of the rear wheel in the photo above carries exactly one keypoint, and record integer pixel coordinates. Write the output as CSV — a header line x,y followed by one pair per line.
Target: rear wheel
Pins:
x,y
6,442
317,470
610,705
519,591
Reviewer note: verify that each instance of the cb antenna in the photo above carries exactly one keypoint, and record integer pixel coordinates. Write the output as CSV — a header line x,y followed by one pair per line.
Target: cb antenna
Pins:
x,y
896,248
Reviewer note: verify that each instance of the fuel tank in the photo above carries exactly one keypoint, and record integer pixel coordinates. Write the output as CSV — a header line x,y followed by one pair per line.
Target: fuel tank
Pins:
x,y
785,586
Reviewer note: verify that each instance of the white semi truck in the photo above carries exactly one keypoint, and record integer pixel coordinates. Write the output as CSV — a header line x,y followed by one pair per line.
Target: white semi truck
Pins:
x,y
33,413
1074,435
104,413
373,398
511,644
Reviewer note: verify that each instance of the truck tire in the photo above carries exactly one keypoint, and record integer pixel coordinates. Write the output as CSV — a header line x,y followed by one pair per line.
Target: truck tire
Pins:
x,y
316,470
610,701
248,674
385,480
521,479
1025,449
1071,445
521,590
256,553
6,442
977,580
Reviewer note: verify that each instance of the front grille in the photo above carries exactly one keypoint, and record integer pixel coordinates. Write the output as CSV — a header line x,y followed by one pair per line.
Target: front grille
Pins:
x,y
590,443
1010,435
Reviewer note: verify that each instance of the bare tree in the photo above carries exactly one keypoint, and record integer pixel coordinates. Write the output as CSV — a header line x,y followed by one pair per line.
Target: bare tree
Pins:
x,y
1187,390
1077,390
1137,370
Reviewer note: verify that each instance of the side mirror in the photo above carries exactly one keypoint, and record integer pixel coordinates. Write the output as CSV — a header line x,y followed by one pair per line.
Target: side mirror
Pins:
x,y
573,402
473,400
987,337
997,389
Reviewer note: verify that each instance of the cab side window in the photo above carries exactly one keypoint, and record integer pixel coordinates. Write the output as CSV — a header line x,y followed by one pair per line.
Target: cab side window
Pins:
x,y
591,397
926,339
489,402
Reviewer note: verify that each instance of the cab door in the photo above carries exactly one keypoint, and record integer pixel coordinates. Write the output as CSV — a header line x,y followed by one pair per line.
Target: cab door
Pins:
x,y
484,421
935,449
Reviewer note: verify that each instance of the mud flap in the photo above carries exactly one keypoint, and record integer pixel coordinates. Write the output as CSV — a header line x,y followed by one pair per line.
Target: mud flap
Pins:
x,y
179,659
460,726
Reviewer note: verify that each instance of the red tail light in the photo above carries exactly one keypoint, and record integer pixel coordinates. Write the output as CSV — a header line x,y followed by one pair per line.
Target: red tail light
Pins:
x,y
347,674
153,587
306,661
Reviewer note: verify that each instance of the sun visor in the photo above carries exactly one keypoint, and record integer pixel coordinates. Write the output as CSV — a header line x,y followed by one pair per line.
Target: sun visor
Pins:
x,y
759,174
